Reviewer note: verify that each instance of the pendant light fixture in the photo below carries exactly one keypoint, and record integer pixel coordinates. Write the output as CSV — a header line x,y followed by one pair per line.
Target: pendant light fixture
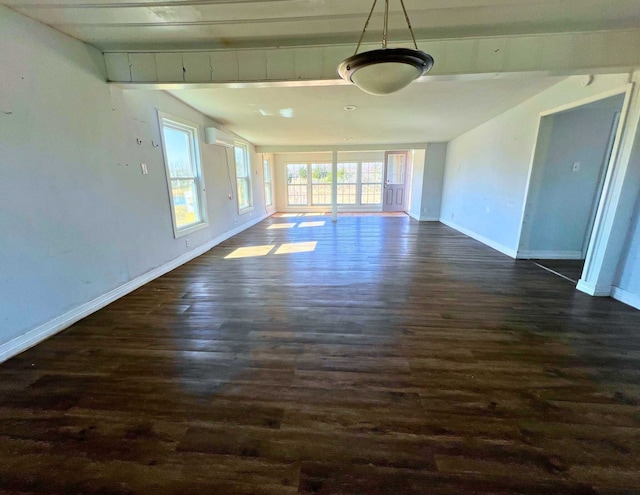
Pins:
x,y
386,70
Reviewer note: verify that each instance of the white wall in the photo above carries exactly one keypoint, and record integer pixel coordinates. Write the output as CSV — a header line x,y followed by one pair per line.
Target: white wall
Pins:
x,y
435,162
488,167
628,279
417,182
561,201
77,217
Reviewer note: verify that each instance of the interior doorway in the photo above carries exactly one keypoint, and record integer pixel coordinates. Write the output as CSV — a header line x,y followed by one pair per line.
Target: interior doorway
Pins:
x,y
571,160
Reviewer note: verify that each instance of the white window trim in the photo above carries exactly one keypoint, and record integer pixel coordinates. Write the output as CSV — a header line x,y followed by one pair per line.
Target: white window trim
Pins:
x,y
247,209
286,183
310,183
269,161
192,128
357,206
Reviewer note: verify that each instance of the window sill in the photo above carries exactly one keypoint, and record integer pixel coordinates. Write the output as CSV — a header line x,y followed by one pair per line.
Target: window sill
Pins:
x,y
245,210
190,229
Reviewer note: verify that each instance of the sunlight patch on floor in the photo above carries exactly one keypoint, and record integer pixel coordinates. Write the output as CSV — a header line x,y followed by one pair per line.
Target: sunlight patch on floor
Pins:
x,y
282,226
250,252
297,247
311,224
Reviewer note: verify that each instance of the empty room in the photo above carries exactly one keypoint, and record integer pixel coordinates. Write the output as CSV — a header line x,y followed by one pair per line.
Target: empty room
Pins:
x,y
271,247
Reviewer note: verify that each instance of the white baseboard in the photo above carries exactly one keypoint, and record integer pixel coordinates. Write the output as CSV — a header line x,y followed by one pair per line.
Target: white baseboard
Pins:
x,y
626,297
550,255
594,290
46,330
429,219
414,215
484,240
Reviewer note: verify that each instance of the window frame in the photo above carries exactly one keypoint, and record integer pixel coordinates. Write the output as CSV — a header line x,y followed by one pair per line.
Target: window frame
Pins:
x,y
287,185
356,184
248,178
192,130
318,163
267,173
361,183
308,164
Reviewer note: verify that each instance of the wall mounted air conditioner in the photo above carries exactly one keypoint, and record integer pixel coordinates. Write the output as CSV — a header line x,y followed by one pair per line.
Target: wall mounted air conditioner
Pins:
x,y
213,135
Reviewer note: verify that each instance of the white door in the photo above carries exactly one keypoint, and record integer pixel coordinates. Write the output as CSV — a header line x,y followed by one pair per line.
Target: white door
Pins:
x,y
395,172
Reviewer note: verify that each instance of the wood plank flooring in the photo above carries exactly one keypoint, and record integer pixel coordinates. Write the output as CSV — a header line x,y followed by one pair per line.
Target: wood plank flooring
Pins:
x,y
373,356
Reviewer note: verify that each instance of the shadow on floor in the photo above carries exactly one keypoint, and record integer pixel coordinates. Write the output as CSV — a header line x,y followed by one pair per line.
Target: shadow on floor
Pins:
x,y
568,269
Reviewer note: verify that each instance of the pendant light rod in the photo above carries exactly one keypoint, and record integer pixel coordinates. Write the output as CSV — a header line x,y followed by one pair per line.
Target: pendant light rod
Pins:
x,y
366,25
406,16
385,29
385,70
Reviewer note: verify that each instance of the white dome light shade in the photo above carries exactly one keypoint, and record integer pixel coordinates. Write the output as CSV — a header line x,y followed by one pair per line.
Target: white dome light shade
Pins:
x,y
385,78
385,71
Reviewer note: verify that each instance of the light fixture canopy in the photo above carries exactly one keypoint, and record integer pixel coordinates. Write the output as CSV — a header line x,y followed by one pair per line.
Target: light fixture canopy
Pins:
x,y
386,70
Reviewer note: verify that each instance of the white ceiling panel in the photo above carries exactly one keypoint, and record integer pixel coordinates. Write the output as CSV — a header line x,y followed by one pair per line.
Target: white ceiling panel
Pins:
x,y
300,116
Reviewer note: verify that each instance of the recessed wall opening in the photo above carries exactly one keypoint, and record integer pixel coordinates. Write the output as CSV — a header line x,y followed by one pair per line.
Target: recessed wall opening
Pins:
x,y
572,157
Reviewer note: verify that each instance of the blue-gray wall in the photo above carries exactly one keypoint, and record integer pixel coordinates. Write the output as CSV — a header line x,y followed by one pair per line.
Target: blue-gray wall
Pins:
x,y
77,217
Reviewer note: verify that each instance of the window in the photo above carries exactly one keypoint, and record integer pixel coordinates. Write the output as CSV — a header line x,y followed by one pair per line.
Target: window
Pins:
x,y
321,184
359,183
395,168
184,174
371,193
243,177
347,183
268,186
297,184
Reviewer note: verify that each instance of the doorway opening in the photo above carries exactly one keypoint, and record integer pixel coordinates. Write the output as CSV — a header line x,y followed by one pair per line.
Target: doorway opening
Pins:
x,y
572,156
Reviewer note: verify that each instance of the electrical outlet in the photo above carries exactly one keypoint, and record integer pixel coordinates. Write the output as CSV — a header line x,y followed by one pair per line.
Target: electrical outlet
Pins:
x,y
145,170
187,242
230,196
576,166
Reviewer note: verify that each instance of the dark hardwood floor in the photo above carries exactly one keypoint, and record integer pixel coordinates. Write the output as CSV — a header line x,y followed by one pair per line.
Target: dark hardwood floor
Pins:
x,y
391,357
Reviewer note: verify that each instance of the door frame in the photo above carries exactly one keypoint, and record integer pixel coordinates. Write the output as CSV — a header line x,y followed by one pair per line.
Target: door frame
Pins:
x,y
607,205
406,185
603,174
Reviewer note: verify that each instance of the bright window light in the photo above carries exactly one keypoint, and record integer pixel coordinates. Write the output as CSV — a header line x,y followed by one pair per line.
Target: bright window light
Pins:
x,y
184,174
243,177
311,224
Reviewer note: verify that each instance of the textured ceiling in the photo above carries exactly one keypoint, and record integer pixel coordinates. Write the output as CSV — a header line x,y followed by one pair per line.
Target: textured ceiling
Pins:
x,y
182,24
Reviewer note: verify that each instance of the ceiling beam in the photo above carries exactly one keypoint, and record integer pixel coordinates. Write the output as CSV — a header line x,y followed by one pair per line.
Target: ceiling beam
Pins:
x,y
555,54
